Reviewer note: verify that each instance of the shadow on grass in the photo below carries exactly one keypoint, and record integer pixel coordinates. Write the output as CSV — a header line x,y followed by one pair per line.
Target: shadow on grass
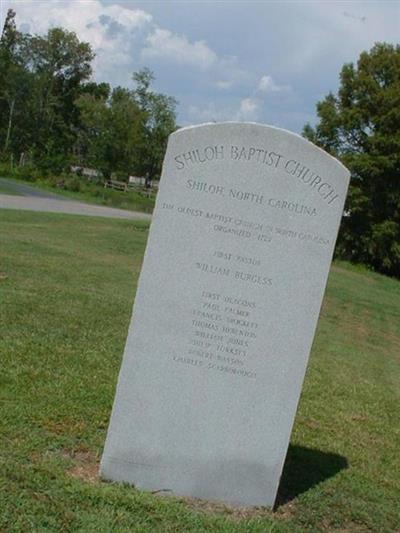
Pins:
x,y
304,468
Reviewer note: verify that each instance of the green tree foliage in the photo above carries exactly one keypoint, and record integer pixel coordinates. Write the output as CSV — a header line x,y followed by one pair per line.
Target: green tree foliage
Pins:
x,y
60,63
7,54
110,134
40,78
158,121
14,82
361,126
126,131
51,110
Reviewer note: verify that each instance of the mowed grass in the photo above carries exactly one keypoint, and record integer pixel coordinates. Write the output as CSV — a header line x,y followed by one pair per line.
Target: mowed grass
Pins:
x,y
66,291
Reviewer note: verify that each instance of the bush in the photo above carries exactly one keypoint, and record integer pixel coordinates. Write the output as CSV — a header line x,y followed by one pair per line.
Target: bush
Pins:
x,y
68,182
73,184
53,164
27,173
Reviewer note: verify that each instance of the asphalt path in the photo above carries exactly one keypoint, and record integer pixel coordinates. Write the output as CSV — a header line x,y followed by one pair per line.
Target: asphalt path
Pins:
x,y
36,200
27,190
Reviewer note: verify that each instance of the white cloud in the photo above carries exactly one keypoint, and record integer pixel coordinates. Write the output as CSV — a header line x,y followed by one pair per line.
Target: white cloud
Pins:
x,y
165,44
336,33
80,16
215,75
212,112
209,113
111,30
120,36
224,84
251,106
268,85
244,108
248,109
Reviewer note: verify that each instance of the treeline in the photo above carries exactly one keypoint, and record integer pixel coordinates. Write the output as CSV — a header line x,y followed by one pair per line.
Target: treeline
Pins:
x,y
361,126
52,116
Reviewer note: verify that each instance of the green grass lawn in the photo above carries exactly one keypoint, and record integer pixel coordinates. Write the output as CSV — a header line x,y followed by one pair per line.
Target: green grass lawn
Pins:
x,y
66,290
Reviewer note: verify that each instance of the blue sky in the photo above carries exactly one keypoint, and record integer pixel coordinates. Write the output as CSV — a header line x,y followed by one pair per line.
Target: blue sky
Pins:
x,y
260,61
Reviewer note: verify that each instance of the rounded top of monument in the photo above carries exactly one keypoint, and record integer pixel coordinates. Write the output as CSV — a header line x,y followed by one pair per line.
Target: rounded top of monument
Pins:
x,y
259,125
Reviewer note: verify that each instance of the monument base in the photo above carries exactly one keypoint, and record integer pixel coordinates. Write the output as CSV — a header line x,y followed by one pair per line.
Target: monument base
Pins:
x,y
235,481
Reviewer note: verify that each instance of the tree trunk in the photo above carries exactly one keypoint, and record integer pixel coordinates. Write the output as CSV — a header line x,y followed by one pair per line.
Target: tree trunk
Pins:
x,y
147,181
10,117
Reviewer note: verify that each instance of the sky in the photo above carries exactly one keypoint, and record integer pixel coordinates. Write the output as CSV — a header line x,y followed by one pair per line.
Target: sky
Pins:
x,y
258,61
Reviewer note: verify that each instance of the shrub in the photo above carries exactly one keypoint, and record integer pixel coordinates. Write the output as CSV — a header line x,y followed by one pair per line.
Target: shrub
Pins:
x,y
27,173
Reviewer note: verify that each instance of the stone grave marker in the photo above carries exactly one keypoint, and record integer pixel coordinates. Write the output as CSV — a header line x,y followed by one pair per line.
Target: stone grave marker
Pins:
x,y
226,309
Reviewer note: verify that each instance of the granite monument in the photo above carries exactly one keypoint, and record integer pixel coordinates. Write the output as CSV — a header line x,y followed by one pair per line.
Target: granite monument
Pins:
x,y
226,309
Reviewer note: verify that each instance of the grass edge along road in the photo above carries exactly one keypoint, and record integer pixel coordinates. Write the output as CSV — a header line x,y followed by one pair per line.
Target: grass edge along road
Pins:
x,y
84,191
67,285
5,188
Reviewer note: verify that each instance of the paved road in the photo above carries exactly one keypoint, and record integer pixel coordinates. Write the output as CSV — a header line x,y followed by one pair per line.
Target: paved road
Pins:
x,y
36,200
51,205
27,190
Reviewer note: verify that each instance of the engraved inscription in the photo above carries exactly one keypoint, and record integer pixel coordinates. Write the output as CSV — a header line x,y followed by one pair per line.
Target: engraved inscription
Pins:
x,y
262,156
198,156
247,229
221,341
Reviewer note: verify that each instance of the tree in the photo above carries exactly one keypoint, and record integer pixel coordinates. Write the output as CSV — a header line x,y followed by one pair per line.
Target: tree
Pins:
x,y
61,64
40,79
158,121
50,109
361,126
126,131
111,127
13,79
